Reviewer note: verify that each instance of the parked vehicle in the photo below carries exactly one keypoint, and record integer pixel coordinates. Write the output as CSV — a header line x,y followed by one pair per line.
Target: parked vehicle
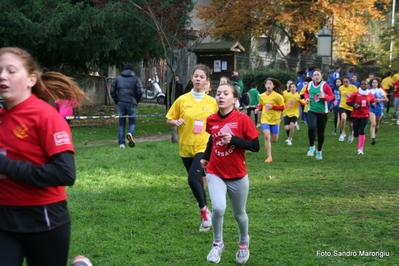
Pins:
x,y
156,92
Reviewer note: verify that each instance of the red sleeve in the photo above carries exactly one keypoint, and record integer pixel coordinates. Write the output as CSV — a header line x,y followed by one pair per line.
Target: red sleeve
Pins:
x,y
328,94
278,108
260,107
306,93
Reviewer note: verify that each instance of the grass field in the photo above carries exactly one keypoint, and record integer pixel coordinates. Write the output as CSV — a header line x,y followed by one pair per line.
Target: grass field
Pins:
x,y
134,206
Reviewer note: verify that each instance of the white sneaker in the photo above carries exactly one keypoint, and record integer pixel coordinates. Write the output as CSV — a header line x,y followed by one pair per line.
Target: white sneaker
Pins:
x,y
350,139
216,253
206,219
242,254
122,146
311,151
342,137
297,126
360,152
319,155
289,142
258,125
130,138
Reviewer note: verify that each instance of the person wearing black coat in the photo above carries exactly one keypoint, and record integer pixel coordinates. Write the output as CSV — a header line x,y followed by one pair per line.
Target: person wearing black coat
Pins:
x,y
125,91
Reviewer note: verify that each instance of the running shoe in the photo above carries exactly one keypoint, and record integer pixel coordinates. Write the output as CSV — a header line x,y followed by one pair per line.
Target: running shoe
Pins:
x,y
342,137
372,141
319,155
289,142
122,146
311,151
360,152
130,138
350,139
297,126
242,254
334,132
206,219
216,252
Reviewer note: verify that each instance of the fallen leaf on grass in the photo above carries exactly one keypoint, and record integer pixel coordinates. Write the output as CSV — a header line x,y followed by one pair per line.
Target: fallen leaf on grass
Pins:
x,y
323,178
271,177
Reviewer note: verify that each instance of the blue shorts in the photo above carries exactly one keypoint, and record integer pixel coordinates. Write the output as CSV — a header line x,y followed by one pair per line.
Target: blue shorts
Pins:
x,y
274,129
376,111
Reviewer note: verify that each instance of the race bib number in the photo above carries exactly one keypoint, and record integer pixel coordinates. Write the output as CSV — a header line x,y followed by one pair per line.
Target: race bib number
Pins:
x,y
198,126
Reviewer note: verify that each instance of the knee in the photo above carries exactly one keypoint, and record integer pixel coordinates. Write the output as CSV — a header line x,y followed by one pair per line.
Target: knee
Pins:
x,y
218,210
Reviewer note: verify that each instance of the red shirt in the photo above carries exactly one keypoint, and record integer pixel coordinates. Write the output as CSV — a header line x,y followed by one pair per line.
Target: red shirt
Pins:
x,y
396,88
32,131
364,102
228,161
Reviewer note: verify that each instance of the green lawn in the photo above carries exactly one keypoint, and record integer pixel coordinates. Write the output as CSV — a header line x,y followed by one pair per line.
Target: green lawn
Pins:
x,y
134,206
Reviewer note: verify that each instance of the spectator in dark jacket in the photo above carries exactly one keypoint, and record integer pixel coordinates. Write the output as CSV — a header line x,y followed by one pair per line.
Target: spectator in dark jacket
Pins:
x,y
125,90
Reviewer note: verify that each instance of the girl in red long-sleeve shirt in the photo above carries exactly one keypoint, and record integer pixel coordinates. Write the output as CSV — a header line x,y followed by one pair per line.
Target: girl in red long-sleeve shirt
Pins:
x,y
361,102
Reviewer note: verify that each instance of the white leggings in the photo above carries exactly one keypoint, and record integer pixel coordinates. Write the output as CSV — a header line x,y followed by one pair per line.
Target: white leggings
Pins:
x,y
237,190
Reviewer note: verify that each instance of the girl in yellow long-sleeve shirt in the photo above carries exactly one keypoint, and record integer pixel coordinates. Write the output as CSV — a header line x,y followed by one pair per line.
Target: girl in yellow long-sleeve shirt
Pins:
x,y
271,104
292,101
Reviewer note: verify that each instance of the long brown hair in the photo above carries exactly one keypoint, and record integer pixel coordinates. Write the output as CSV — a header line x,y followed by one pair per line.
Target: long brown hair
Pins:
x,y
278,86
49,85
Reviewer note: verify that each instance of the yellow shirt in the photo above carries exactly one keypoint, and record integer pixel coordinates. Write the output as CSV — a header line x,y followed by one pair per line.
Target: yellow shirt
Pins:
x,y
386,83
271,116
306,107
292,102
192,135
345,92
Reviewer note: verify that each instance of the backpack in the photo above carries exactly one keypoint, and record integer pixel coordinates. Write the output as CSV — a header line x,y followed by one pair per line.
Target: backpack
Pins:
x,y
245,99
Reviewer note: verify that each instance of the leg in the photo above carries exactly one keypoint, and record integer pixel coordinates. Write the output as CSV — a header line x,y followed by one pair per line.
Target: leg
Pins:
x,y
194,170
217,192
48,248
311,120
372,125
266,133
11,250
131,111
321,126
343,124
238,194
122,123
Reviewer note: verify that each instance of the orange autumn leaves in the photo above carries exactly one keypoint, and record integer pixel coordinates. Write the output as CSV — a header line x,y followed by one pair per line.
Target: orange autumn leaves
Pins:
x,y
299,21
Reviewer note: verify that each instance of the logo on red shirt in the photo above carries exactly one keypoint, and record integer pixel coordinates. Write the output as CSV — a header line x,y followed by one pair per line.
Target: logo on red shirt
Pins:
x,y
21,131
61,138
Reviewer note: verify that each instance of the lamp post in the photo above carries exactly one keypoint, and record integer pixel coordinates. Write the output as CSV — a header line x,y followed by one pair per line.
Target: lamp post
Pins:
x,y
324,44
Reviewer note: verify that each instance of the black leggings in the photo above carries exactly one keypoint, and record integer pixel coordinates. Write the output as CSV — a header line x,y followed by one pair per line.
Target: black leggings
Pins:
x,y
195,173
316,122
249,111
48,248
359,126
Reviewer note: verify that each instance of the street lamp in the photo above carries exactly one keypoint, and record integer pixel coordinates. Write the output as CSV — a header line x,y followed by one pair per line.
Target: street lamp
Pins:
x,y
324,44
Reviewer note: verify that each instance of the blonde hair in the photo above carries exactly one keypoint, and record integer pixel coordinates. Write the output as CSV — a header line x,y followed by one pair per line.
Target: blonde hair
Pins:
x,y
49,85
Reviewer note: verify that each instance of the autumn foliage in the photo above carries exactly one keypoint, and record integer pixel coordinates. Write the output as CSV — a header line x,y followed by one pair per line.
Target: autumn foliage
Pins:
x,y
298,21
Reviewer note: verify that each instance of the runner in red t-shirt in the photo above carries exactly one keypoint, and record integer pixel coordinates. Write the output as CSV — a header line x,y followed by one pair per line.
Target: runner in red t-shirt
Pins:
x,y
36,162
232,133
361,102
